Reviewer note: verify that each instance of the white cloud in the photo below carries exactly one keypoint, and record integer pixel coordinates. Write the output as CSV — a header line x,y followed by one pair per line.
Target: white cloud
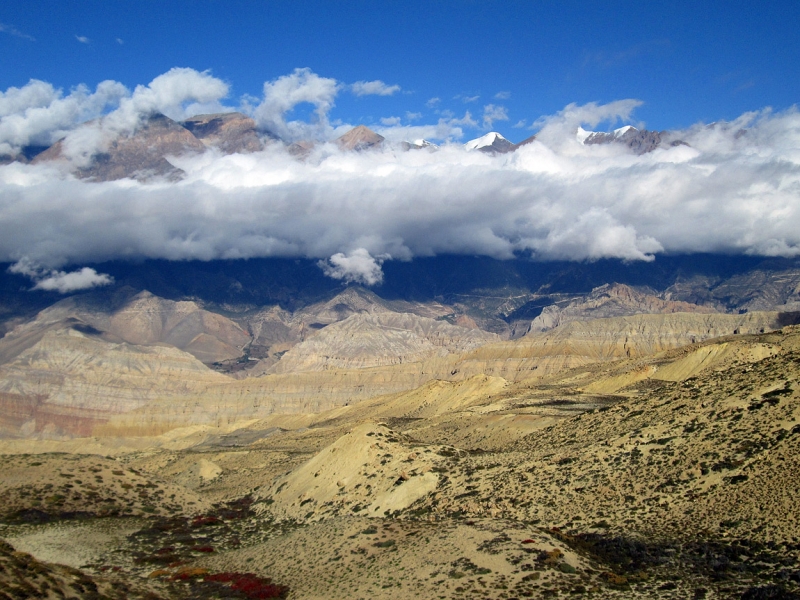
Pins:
x,y
466,120
39,114
502,95
83,39
433,102
356,267
373,88
413,116
284,93
15,32
492,113
60,281
447,129
391,121
555,198
520,124
178,94
120,41
467,99
63,282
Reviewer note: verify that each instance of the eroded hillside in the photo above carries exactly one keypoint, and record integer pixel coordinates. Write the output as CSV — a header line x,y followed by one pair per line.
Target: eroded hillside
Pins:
x,y
666,474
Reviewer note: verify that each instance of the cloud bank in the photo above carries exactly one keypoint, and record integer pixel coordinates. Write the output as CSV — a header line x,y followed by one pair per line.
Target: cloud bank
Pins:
x,y
734,188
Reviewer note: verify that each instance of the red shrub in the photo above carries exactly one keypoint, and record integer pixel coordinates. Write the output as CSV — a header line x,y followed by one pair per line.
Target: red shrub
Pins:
x,y
253,586
203,521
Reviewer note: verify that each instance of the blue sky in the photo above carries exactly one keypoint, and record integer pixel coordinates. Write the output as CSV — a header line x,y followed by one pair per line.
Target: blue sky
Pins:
x,y
687,61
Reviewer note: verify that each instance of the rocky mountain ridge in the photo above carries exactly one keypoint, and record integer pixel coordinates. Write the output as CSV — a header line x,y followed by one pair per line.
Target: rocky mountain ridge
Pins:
x,y
144,153
72,383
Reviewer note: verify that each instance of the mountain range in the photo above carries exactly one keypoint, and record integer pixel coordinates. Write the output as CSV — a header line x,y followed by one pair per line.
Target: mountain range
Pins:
x,y
145,152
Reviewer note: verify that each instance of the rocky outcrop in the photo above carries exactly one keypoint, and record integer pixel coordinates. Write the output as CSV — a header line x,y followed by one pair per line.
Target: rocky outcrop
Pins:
x,y
68,382
379,339
639,141
275,330
532,358
79,383
360,138
579,343
229,132
260,397
610,300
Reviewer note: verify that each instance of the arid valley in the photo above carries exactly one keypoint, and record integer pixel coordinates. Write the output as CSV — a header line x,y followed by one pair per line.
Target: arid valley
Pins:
x,y
618,444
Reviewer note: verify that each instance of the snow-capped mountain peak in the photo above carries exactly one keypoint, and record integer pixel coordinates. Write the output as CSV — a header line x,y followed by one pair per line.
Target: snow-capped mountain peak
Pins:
x,y
484,141
594,137
582,134
623,130
490,143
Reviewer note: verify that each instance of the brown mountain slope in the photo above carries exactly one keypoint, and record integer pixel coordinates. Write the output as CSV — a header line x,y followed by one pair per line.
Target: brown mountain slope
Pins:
x,y
610,300
69,382
23,576
576,343
157,400
229,132
140,155
665,476
371,340
141,319
360,138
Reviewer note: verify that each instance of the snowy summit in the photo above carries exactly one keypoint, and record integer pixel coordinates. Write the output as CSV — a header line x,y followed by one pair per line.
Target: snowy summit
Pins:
x,y
489,140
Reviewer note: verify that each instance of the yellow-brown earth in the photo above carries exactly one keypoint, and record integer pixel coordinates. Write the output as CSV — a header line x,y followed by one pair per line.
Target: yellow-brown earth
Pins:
x,y
651,456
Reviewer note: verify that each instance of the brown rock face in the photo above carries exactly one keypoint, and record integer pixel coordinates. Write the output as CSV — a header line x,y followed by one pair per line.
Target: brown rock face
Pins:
x,y
230,132
611,300
577,343
143,319
69,382
380,339
141,155
758,289
301,149
275,331
360,138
